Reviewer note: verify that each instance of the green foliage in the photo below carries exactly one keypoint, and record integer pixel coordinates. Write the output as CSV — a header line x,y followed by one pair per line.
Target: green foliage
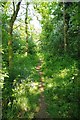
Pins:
x,y
52,32
62,87
25,88
61,73
31,47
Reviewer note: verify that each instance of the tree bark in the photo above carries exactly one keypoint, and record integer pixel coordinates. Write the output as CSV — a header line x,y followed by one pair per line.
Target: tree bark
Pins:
x,y
10,52
65,27
12,20
26,27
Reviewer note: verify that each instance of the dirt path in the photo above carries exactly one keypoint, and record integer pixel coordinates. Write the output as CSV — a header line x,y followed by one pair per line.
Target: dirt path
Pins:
x,y
42,113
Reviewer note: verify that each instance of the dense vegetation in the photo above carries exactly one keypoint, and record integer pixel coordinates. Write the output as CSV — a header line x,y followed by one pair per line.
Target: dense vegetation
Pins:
x,y
24,46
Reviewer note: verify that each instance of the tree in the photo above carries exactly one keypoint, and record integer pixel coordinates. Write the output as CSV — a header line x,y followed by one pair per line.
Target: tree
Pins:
x,y
26,27
8,82
66,18
65,27
11,23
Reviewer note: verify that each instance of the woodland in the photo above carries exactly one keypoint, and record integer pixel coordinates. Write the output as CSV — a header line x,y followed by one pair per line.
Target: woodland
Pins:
x,y
40,60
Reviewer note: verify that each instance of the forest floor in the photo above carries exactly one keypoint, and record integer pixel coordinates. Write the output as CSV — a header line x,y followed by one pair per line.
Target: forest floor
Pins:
x,y
42,113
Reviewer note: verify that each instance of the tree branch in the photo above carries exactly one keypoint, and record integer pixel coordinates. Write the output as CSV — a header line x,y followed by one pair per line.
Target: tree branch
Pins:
x,y
13,6
13,18
17,26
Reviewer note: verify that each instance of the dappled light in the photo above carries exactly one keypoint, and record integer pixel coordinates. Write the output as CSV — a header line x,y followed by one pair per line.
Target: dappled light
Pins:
x,y
63,73
59,92
40,70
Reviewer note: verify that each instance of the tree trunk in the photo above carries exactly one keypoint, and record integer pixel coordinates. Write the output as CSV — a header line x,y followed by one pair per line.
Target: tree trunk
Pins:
x,y
12,20
26,28
65,27
10,53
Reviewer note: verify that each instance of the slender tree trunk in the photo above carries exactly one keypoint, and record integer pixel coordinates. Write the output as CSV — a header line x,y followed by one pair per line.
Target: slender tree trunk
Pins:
x,y
12,20
10,51
26,28
65,27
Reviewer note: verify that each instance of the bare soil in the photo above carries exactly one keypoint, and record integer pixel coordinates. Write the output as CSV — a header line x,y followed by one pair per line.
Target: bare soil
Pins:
x,y
42,113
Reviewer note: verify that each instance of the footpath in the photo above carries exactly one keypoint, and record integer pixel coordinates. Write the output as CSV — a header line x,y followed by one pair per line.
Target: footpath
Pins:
x,y
42,113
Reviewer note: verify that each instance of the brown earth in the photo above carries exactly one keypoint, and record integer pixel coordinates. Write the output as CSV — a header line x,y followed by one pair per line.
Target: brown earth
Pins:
x,y
42,112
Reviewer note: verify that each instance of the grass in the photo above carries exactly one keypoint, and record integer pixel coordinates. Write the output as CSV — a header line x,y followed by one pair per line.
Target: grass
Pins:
x,y
61,77
61,84
25,92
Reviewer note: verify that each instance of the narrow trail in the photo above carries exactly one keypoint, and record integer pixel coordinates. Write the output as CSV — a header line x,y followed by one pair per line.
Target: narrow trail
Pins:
x,y
42,113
